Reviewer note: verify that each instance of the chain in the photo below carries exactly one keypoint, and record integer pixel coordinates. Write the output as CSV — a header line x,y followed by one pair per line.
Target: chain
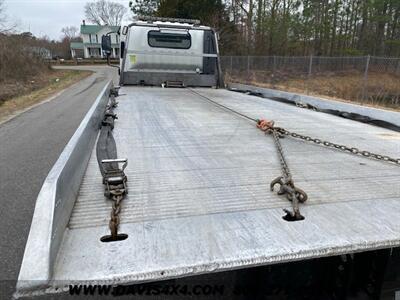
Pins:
x,y
343,148
287,187
115,211
285,167
286,184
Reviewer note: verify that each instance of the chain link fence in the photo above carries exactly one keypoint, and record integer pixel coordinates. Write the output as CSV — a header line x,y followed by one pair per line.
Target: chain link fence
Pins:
x,y
363,79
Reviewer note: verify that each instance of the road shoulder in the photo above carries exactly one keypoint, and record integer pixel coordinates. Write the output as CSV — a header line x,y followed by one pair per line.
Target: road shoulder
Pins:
x,y
58,82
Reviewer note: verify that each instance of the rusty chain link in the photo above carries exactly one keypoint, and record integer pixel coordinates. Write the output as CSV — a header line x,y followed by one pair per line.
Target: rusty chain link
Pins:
x,y
115,211
116,190
351,150
287,187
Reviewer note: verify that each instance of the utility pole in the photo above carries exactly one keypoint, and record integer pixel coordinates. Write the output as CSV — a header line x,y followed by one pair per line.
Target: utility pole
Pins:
x,y
248,67
365,81
310,65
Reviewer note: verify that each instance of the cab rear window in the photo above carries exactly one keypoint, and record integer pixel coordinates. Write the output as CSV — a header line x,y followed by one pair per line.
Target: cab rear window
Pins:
x,y
159,39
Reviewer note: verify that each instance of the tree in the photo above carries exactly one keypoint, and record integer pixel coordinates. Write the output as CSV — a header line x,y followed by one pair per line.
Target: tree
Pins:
x,y
103,12
144,7
2,13
70,32
5,27
204,10
291,27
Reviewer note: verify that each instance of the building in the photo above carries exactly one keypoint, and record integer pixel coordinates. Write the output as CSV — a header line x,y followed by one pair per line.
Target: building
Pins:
x,y
41,52
90,47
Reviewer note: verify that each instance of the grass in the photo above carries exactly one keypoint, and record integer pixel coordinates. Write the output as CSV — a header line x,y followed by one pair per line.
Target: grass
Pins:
x,y
382,90
19,96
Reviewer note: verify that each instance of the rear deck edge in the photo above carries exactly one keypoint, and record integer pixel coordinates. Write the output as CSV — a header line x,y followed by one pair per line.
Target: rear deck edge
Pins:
x,y
56,199
61,286
323,103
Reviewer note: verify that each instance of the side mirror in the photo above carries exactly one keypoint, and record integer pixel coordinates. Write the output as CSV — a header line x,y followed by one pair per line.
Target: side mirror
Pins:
x,y
125,30
106,44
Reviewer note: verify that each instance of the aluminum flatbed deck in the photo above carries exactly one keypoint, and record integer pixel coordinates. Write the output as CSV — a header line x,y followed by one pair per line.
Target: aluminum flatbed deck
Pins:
x,y
199,198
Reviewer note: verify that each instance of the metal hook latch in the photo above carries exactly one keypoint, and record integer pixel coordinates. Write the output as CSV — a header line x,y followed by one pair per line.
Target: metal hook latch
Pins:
x,y
115,179
293,194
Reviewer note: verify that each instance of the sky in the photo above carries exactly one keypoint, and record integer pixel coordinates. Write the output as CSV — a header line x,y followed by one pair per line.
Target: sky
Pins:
x,y
47,17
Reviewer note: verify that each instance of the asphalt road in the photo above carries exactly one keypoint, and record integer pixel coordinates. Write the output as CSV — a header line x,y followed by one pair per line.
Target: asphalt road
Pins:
x,y
29,146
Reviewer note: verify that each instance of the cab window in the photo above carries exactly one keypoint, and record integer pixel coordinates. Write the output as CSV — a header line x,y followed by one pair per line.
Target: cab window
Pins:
x,y
159,39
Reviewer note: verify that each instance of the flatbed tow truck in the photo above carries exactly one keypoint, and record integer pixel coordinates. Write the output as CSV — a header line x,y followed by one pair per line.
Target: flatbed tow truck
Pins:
x,y
184,166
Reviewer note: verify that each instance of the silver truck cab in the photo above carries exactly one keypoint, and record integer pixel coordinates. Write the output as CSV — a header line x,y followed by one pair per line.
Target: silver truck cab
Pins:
x,y
179,52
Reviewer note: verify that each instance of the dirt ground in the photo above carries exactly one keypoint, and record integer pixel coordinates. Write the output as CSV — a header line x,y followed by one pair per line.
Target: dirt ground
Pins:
x,y
16,95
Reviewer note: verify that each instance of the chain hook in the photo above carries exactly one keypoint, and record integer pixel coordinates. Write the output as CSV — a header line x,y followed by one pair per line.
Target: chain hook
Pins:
x,y
285,182
293,194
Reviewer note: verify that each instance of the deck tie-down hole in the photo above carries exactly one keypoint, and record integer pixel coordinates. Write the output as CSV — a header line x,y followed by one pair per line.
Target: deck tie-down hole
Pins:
x,y
117,238
290,217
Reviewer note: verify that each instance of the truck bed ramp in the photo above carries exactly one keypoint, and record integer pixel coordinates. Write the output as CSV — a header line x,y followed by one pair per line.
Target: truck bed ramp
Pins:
x,y
199,199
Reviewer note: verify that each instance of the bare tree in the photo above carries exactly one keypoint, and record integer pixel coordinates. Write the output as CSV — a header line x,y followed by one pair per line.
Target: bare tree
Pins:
x,y
5,25
103,12
70,32
3,17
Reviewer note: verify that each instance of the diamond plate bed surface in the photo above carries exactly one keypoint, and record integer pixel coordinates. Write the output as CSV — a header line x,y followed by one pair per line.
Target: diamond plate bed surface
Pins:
x,y
199,197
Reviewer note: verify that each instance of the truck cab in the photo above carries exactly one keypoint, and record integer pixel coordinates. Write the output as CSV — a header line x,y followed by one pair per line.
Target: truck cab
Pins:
x,y
166,51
